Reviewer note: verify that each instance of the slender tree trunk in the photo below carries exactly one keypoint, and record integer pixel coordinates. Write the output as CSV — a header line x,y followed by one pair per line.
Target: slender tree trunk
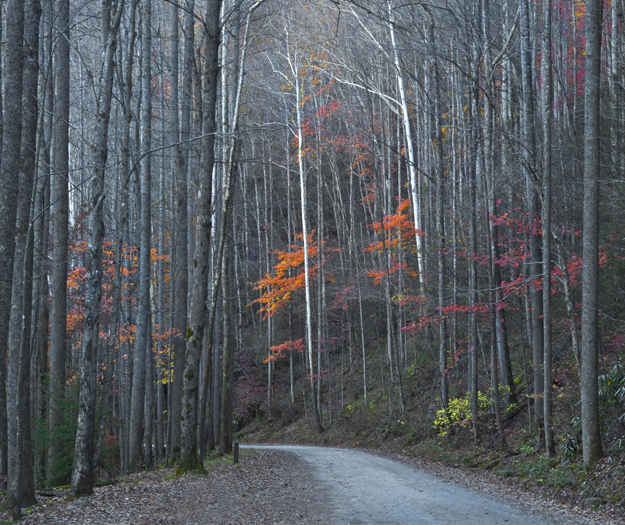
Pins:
x,y
160,361
568,301
107,400
83,473
41,225
591,436
60,209
142,341
440,219
201,256
547,103
182,273
148,403
412,166
9,187
474,175
21,489
529,142
307,283
225,442
3,328
126,91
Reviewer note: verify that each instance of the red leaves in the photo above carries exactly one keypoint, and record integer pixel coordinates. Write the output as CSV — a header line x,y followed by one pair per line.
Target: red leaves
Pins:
x,y
447,312
280,351
396,266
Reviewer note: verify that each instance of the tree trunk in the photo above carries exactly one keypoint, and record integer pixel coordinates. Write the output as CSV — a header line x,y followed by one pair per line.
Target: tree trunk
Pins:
x,y
591,436
307,283
547,108
41,226
60,209
412,166
9,187
83,474
437,132
180,220
201,257
225,442
529,141
143,340
122,222
21,488
474,175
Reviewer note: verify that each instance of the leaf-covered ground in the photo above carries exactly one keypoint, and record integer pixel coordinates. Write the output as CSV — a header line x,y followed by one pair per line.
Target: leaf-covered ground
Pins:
x,y
265,488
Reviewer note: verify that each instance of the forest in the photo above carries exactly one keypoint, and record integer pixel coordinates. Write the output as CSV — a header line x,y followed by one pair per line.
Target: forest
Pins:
x,y
224,214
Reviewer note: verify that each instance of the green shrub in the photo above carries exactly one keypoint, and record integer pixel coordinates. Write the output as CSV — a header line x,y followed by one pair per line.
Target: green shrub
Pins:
x,y
458,413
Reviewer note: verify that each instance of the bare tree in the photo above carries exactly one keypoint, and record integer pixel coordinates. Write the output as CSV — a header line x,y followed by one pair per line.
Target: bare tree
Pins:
x,y
591,437
9,191
143,348
83,472
21,489
60,198
181,221
195,331
12,134
547,103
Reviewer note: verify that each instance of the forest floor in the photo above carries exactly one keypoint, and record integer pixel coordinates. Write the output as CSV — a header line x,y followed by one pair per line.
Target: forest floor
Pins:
x,y
266,487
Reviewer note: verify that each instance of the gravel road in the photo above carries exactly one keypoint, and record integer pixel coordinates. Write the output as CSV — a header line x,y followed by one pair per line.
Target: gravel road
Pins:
x,y
362,489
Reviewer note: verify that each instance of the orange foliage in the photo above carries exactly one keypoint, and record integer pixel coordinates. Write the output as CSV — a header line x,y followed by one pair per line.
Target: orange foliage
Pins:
x,y
396,266
278,288
397,229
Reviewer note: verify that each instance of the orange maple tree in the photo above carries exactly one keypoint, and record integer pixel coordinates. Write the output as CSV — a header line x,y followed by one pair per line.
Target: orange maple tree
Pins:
x,y
396,231
278,288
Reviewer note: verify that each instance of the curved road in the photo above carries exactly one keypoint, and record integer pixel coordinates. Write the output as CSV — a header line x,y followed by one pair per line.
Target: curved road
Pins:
x,y
363,489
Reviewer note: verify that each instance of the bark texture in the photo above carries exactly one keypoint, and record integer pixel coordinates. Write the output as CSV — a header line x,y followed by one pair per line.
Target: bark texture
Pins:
x,y
591,436
58,283
83,472
201,256
9,192
142,342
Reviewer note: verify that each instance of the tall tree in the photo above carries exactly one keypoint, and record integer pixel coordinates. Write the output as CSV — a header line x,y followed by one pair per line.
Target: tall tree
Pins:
x,y
60,199
21,489
547,103
83,472
195,332
529,161
180,217
591,436
11,141
143,348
